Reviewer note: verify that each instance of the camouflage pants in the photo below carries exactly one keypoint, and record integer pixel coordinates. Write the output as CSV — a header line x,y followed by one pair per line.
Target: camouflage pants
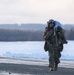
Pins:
x,y
53,55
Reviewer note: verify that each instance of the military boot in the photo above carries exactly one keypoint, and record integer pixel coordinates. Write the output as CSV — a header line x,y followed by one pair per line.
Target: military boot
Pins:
x,y
51,69
55,67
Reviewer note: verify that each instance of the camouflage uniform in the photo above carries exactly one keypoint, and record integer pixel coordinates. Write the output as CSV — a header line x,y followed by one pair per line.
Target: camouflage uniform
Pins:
x,y
54,40
52,47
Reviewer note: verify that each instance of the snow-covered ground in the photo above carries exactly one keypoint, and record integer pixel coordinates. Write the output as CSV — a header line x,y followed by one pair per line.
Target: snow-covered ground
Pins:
x,y
33,49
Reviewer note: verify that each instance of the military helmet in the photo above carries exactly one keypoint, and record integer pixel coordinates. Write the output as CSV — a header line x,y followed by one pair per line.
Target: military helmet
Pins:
x,y
51,21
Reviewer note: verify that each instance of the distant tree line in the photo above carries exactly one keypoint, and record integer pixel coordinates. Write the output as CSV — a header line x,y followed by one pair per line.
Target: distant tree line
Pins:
x,y
20,35
28,35
69,34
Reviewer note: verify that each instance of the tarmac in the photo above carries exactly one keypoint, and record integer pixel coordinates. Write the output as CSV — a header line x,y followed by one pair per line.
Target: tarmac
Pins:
x,y
30,66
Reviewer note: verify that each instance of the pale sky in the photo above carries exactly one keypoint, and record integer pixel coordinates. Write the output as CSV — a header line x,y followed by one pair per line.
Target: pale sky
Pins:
x,y
36,11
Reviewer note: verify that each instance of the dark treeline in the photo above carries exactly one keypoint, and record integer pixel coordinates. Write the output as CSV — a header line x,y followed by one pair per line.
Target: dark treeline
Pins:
x,y
20,35
28,35
69,34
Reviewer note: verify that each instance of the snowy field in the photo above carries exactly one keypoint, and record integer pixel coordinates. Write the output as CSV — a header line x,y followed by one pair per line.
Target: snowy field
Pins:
x,y
33,49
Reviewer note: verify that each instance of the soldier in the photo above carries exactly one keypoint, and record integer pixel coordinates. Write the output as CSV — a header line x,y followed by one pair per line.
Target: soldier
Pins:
x,y
54,40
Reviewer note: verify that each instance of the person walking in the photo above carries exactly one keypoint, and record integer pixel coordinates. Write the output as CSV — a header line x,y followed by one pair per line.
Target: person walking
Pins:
x,y
54,40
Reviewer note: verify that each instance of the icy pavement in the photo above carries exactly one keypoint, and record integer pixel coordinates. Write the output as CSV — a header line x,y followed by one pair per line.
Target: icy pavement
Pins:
x,y
27,66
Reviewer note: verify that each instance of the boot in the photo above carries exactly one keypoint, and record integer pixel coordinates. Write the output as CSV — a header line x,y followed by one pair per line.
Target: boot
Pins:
x,y
55,67
51,69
